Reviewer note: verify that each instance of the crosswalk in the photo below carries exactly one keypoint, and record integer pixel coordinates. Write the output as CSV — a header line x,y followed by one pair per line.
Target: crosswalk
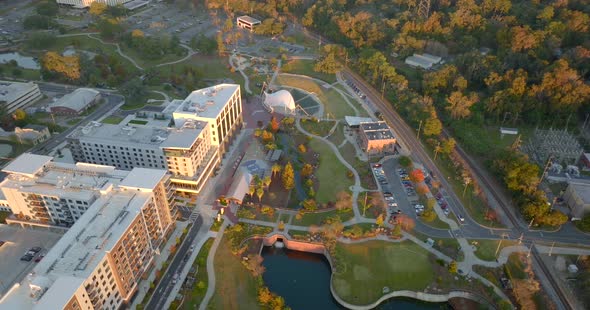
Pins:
x,y
194,215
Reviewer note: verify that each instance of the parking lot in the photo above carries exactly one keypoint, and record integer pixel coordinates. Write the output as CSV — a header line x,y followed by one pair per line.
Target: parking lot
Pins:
x,y
18,241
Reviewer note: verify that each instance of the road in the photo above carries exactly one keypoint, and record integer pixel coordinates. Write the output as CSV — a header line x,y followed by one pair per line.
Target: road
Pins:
x,y
469,228
111,100
165,286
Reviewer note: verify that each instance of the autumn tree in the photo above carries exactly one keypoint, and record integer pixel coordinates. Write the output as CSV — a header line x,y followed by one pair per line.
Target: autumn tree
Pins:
x,y
97,8
276,169
432,127
327,63
288,177
562,88
65,66
302,148
306,170
448,145
274,124
453,267
459,105
417,176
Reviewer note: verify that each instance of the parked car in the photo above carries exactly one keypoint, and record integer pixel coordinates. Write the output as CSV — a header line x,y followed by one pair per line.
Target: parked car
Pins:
x,y
461,218
387,194
36,249
39,258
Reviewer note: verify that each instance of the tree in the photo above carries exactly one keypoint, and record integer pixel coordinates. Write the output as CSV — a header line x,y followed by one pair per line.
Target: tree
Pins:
x,y
453,267
417,176
110,28
460,105
448,145
97,8
19,115
259,193
397,231
380,220
47,8
274,124
310,205
220,45
266,181
66,66
302,148
405,161
307,170
38,22
267,136
288,177
134,90
429,215
327,64
254,264
41,40
432,127
276,168
136,33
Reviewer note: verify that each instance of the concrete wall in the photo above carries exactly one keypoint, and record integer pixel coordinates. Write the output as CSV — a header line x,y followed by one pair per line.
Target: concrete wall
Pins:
x,y
320,249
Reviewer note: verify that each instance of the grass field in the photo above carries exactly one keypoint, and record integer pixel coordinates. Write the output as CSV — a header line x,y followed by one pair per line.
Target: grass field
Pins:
x,y
115,120
370,266
73,121
305,67
228,272
334,104
331,174
318,217
194,296
321,128
486,249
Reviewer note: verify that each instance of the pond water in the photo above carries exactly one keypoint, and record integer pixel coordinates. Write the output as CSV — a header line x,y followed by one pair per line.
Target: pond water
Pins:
x,y
303,279
22,61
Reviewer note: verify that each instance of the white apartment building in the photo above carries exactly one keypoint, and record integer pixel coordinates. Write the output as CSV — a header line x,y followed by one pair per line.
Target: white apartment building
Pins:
x,y
79,4
4,206
15,95
45,193
206,123
100,261
220,106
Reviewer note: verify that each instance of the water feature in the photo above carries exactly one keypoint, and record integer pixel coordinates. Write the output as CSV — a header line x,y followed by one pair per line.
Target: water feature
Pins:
x,y
303,279
22,61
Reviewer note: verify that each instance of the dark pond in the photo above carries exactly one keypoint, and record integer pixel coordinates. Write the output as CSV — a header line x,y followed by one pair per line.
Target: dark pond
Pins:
x,y
303,279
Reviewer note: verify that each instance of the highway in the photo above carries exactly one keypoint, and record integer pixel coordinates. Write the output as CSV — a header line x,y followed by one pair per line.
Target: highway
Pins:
x,y
165,286
111,100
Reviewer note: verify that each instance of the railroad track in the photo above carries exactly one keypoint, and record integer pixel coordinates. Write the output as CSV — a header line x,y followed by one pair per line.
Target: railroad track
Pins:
x,y
407,134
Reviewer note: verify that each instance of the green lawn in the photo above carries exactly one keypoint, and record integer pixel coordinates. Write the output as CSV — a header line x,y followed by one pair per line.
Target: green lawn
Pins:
x,y
8,71
229,271
331,174
318,217
368,267
321,128
194,296
305,67
115,120
436,223
337,137
334,104
362,111
362,167
486,249
212,67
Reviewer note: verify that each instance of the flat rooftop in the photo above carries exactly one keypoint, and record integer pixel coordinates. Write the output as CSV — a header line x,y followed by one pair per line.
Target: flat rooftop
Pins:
x,y
377,131
10,91
27,164
143,178
138,135
76,100
207,102
249,19
77,254
582,189
66,180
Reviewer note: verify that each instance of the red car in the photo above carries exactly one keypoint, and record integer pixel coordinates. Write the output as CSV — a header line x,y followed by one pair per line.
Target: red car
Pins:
x,y
39,258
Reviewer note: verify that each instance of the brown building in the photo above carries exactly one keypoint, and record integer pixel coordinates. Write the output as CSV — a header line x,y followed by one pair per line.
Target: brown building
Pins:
x,y
76,102
376,138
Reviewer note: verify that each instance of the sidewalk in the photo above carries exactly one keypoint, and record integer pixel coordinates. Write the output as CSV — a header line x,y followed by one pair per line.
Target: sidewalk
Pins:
x,y
159,260
202,236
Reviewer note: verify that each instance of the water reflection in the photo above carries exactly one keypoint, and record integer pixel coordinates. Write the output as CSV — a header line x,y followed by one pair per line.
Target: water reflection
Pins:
x,y
22,61
303,279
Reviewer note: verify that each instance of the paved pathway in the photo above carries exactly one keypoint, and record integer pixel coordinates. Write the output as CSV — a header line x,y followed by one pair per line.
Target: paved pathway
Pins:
x,y
211,268
240,68
189,54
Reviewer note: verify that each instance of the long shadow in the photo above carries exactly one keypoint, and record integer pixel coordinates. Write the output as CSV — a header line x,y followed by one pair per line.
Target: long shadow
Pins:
x,y
289,150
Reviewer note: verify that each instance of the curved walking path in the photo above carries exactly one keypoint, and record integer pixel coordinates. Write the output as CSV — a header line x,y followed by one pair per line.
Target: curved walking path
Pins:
x,y
240,69
118,51
189,54
357,179
211,267
163,94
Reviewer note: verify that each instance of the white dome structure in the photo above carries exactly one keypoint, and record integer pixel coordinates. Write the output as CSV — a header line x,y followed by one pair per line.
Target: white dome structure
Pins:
x,y
280,101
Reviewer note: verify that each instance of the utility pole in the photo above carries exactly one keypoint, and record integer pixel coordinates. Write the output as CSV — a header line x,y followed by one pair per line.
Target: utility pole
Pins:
x,y
498,248
551,250
382,89
419,128
549,161
424,9
520,238
436,150
530,249
365,205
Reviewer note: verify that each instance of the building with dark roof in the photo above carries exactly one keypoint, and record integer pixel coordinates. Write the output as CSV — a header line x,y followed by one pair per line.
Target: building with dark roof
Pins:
x,y
376,138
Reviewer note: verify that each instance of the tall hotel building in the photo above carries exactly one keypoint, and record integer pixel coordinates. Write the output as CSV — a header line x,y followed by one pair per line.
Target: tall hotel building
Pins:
x,y
205,124
101,259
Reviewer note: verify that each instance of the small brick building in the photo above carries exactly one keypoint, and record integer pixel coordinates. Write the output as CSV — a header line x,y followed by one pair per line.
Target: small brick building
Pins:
x,y
376,138
76,102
